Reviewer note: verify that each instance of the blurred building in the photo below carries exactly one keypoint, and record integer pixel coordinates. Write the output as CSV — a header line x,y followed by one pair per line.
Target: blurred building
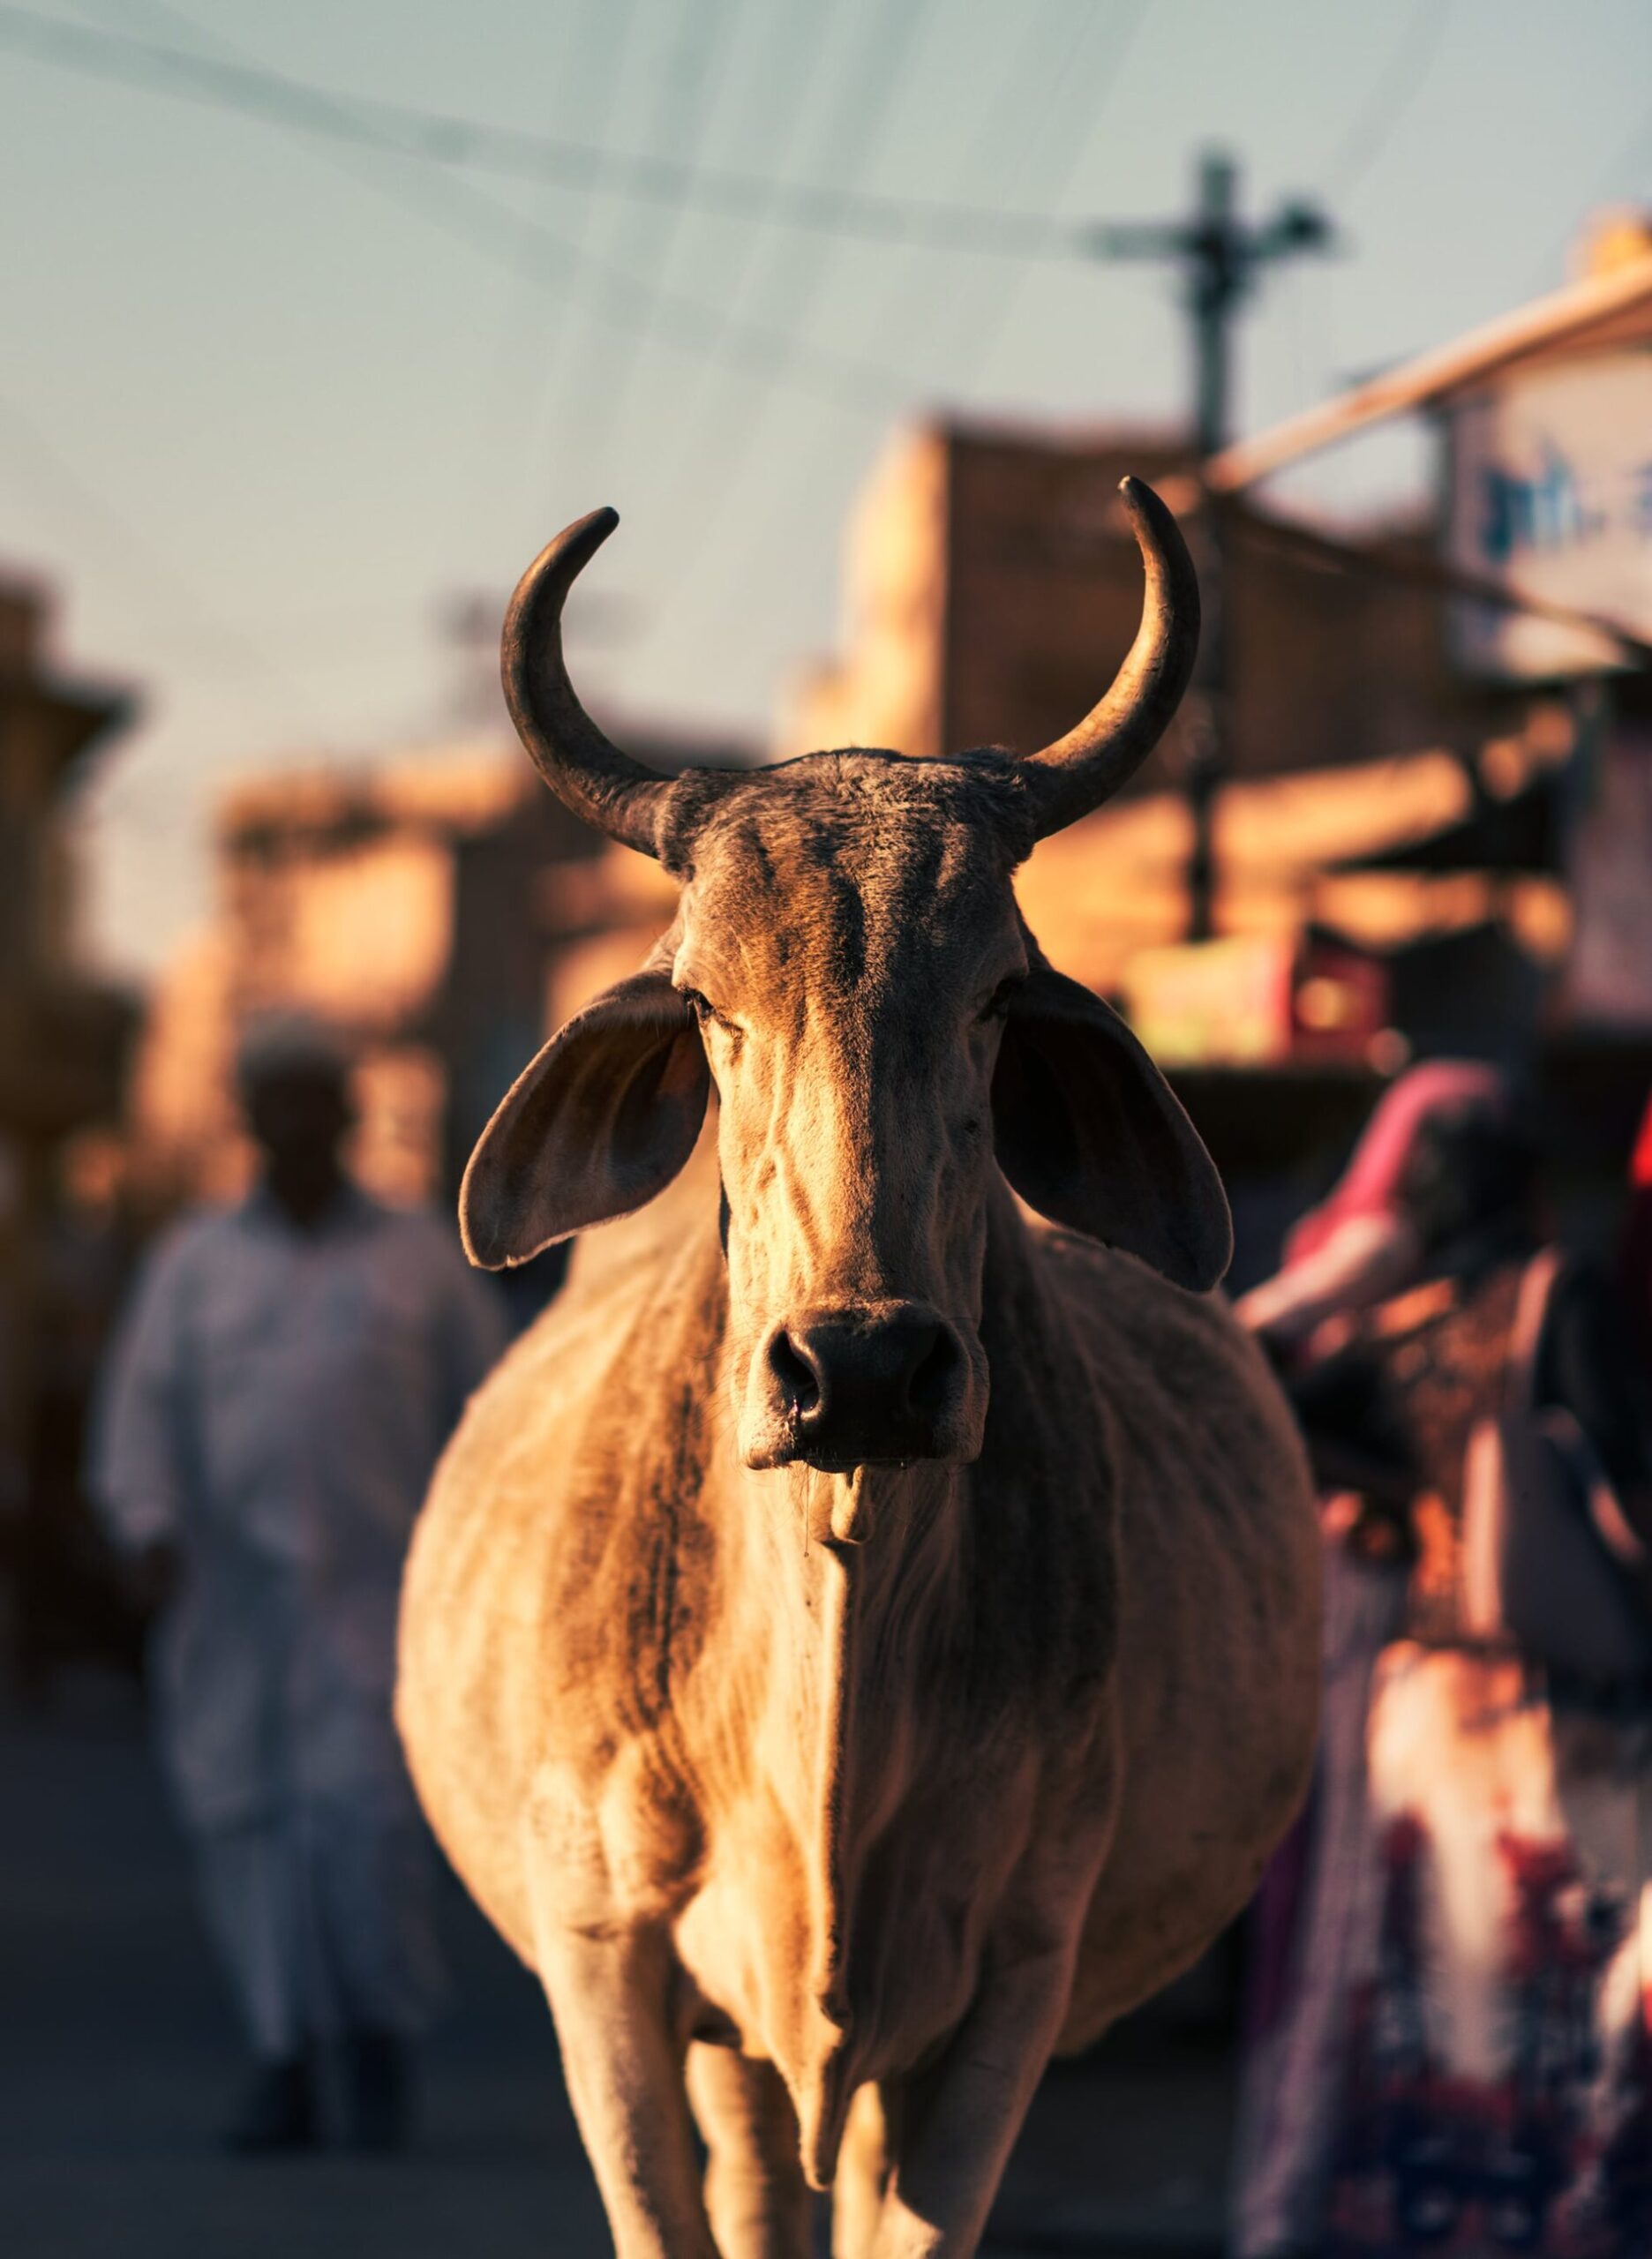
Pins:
x,y
1541,577
1435,834
62,1034
993,585
64,1041
1414,855
441,906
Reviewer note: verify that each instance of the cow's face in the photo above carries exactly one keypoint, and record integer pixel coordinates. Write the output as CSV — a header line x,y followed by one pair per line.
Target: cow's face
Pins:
x,y
850,970
849,944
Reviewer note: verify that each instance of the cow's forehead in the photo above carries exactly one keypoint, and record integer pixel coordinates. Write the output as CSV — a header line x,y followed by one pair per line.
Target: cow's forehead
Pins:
x,y
846,863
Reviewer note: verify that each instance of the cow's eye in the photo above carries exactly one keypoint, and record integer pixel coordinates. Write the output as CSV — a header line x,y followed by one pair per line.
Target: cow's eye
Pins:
x,y
705,1011
998,1003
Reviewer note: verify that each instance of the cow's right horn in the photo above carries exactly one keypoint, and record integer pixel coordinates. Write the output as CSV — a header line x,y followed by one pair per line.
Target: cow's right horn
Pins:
x,y
1089,764
581,765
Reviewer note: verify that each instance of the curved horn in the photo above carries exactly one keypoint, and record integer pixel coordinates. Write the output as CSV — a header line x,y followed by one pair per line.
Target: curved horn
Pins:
x,y
1089,764
598,781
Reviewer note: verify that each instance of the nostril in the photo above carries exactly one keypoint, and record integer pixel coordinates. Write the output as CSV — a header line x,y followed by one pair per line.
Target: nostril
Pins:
x,y
930,1383
799,1382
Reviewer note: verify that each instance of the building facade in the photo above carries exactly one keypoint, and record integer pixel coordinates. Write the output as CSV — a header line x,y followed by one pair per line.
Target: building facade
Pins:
x,y
992,586
441,907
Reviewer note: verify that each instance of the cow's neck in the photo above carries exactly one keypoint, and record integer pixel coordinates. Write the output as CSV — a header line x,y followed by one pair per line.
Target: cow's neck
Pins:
x,y
846,1619
844,1633
849,1584
854,1592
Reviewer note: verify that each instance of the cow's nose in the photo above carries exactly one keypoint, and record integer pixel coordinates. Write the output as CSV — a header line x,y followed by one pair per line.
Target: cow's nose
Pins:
x,y
863,1387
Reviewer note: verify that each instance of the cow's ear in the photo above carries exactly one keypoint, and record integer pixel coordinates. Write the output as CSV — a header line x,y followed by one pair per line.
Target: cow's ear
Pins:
x,y
1090,1135
600,1122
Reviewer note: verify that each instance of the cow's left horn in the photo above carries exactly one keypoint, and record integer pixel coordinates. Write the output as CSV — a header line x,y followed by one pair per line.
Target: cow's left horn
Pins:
x,y
1089,764
594,777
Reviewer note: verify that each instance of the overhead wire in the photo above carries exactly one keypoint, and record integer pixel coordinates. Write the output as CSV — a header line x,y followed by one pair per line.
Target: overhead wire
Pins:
x,y
1042,68
408,137
437,139
736,338
1079,120
641,239
785,75
529,345
847,130
545,256
368,137
612,27
1366,137
1378,117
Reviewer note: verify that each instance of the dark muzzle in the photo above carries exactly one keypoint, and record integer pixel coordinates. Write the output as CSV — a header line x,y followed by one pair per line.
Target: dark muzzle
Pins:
x,y
869,1386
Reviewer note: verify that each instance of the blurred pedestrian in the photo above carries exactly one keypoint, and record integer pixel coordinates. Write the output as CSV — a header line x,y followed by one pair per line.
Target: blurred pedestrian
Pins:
x,y
1452,2052
276,1399
1360,1244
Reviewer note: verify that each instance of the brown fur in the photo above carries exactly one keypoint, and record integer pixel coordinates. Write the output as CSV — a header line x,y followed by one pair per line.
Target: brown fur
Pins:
x,y
896,1816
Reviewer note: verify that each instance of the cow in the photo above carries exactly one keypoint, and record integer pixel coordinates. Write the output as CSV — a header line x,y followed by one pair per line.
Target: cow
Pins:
x,y
863,1638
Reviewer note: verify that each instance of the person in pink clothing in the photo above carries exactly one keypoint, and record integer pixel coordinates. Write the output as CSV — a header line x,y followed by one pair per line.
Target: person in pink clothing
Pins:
x,y
1360,1244
1446,2049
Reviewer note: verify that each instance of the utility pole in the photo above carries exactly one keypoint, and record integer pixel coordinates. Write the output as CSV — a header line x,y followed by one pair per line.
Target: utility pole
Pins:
x,y
1220,257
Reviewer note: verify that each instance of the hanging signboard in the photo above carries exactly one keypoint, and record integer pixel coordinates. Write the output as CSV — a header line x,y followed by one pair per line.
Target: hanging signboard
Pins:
x,y
1551,491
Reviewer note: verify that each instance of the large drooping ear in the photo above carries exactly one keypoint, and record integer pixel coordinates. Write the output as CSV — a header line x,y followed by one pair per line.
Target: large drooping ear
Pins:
x,y
599,1123
1090,1135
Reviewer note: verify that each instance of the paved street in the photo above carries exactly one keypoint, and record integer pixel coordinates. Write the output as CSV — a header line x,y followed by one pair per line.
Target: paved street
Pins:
x,y
118,2059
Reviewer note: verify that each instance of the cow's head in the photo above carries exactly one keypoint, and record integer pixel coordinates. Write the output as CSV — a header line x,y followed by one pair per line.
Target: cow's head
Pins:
x,y
849,968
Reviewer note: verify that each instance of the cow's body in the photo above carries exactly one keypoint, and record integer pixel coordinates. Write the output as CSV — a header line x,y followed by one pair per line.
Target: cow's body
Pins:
x,y
863,1640
1067,1692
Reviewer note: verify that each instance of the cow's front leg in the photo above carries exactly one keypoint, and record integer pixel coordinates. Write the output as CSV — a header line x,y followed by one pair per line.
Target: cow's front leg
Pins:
x,y
864,2164
958,2124
610,1995
760,2203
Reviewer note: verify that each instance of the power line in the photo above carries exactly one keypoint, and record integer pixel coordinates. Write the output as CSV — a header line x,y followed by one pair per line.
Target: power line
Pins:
x,y
776,113
985,335
1022,89
542,255
433,137
595,68
850,128
536,366
1376,120
683,103
616,19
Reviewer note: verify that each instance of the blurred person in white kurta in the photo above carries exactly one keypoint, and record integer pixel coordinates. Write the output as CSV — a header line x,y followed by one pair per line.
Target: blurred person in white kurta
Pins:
x,y
282,1388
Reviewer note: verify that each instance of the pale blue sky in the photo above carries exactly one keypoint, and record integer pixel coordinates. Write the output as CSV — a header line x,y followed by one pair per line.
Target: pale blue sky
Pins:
x,y
267,402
